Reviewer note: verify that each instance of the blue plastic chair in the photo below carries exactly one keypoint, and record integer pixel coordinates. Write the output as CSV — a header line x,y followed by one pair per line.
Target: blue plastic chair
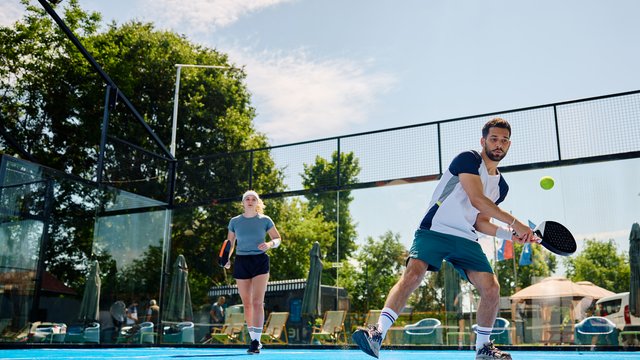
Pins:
x,y
596,330
89,333
425,331
501,333
184,334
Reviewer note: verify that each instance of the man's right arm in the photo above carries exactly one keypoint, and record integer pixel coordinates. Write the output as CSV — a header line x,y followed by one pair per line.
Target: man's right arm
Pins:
x,y
473,187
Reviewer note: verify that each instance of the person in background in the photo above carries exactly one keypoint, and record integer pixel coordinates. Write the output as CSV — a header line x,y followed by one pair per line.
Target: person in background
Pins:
x,y
132,313
153,313
519,315
217,311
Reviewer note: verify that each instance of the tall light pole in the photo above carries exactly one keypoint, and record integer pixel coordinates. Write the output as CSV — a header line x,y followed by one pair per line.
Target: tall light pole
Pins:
x,y
174,127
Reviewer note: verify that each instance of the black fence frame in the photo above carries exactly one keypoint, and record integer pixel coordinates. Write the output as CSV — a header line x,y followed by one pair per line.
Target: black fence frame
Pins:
x,y
113,93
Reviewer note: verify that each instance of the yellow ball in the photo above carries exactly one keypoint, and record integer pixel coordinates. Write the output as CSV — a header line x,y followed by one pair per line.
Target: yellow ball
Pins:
x,y
546,182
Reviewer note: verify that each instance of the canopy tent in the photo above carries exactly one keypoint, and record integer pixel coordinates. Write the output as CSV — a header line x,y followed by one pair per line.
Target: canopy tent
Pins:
x,y
570,300
595,291
559,287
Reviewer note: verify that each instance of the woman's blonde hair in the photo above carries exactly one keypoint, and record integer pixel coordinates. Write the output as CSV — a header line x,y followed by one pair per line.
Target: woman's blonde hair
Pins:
x,y
259,204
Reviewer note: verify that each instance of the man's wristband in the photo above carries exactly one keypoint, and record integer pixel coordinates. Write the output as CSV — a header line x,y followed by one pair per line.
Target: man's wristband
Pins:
x,y
276,242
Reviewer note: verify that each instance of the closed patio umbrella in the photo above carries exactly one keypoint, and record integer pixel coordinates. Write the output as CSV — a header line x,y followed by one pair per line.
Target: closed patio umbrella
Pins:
x,y
634,261
90,308
311,297
179,306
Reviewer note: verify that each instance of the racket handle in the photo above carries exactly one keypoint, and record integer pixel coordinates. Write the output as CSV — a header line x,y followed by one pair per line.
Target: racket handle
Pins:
x,y
538,238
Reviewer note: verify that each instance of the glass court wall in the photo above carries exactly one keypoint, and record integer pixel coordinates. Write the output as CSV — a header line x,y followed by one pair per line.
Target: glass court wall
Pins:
x,y
53,227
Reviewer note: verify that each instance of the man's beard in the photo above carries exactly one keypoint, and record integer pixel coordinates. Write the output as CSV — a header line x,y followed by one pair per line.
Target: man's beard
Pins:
x,y
493,157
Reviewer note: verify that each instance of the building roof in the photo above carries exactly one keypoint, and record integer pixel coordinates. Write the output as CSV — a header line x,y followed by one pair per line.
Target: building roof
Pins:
x,y
24,280
272,286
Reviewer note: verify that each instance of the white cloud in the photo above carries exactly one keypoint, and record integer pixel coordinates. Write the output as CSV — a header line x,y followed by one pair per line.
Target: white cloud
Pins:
x,y
10,12
203,15
299,98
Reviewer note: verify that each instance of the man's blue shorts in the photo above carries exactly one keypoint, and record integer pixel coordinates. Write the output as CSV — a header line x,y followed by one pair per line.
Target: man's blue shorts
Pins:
x,y
432,247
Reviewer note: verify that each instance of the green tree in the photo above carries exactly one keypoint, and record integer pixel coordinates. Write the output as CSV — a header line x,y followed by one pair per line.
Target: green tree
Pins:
x,y
57,119
543,265
299,227
379,266
40,111
145,272
42,77
432,295
600,263
323,174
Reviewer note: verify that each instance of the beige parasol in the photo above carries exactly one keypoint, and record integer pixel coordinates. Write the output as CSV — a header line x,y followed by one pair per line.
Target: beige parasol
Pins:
x,y
552,287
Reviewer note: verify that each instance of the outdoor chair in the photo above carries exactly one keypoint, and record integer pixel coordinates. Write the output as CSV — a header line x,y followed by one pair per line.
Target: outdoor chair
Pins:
x,y
47,332
137,334
596,330
372,318
19,335
89,333
231,331
181,333
275,327
4,323
332,328
425,331
501,333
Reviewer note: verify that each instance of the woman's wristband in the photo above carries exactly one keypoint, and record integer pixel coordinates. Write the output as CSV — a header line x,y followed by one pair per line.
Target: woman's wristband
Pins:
x,y
276,242
504,233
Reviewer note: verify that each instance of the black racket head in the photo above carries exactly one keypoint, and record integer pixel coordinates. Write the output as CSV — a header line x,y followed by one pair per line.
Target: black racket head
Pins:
x,y
556,238
223,257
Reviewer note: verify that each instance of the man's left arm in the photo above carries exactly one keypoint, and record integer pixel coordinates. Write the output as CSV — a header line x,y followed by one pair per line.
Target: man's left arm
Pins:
x,y
484,225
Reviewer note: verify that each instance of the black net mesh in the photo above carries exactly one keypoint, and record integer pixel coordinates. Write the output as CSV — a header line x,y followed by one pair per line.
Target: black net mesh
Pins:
x,y
134,160
599,127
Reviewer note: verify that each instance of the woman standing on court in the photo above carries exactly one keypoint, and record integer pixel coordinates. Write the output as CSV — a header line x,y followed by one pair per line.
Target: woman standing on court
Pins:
x,y
251,267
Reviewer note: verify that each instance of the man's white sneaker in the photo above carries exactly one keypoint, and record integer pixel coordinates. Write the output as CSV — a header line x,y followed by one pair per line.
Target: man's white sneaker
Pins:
x,y
369,340
491,352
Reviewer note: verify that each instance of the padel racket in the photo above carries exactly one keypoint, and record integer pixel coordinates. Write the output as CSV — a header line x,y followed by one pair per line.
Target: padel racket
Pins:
x,y
555,238
225,249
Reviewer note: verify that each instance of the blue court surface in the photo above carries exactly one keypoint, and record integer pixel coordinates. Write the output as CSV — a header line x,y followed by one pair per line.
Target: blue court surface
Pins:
x,y
294,354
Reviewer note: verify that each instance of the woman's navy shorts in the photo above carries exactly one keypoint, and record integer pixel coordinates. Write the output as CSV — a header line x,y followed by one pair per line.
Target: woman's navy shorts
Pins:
x,y
250,266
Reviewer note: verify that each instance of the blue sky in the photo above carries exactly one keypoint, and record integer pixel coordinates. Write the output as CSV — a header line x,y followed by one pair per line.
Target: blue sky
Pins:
x,y
320,68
